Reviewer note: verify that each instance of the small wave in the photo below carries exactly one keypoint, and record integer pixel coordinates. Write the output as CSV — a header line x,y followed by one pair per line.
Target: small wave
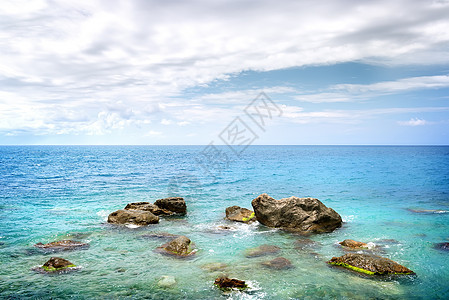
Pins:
x,y
132,226
103,214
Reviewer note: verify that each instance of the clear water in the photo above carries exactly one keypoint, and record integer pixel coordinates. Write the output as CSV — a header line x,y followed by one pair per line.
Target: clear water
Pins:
x,y
49,193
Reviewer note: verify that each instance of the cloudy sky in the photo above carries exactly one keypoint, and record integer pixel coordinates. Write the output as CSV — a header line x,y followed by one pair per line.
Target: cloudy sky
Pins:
x,y
179,72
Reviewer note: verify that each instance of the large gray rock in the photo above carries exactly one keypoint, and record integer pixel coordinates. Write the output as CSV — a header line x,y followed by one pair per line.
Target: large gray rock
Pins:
x,y
174,204
240,214
147,206
301,214
137,217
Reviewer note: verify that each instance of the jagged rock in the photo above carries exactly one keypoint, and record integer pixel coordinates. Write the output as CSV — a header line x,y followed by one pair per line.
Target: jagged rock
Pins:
x,y
262,251
240,214
62,245
226,283
370,264
166,281
55,265
301,214
353,244
180,247
174,204
147,206
137,217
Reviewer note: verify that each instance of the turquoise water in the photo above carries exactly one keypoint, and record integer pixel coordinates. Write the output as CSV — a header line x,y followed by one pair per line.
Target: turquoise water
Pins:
x,y
49,193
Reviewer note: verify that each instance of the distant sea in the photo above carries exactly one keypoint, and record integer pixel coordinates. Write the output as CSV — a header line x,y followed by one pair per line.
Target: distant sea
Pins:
x,y
49,193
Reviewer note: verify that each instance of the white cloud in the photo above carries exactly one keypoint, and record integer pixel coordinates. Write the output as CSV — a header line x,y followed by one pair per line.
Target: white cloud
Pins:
x,y
166,122
413,122
63,64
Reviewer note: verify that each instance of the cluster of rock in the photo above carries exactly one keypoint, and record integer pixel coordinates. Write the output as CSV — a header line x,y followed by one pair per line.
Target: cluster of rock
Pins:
x,y
145,213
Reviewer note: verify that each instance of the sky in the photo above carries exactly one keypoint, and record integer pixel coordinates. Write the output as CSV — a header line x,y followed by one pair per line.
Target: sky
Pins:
x,y
176,72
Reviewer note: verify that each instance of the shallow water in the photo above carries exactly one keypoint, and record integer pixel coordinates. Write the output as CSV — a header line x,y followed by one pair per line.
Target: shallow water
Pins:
x,y
49,193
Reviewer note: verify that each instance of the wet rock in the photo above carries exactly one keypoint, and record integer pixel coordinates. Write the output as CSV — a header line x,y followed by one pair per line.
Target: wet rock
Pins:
x,y
240,214
370,264
353,244
180,247
175,204
147,206
62,245
279,263
166,281
136,217
301,214
262,251
442,246
305,244
213,267
55,265
226,283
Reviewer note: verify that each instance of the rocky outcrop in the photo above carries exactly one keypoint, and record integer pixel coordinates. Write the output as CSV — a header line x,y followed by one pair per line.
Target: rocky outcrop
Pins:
x,y
262,251
353,244
136,217
181,246
239,214
147,206
175,204
370,264
55,265
300,214
62,245
279,263
226,283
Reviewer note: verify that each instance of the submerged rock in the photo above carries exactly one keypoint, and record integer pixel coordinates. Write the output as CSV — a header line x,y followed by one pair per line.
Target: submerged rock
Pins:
x,y
160,235
213,267
442,246
370,264
305,244
137,217
301,214
279,263
62,245
166,281
175,204
262,251
240,214
428,211
353,244
181,246
147,206
226,283
55,265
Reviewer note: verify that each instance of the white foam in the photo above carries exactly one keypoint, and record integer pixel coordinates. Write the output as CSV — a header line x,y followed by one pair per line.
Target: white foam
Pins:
x,y
132,226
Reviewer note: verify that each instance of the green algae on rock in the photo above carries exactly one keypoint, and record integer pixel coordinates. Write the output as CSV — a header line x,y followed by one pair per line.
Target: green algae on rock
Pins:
x,y
240,214
55,265
370,264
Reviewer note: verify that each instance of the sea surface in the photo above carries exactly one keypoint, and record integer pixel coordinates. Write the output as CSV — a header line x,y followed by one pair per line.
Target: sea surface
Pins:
x,y
49,193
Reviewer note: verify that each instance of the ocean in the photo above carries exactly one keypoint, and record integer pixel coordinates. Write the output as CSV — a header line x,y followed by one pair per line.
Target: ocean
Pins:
x,y
49,193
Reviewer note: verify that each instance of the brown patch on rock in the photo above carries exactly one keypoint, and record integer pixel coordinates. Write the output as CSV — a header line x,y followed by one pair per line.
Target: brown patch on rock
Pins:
x,y
240,214
228,283
137,217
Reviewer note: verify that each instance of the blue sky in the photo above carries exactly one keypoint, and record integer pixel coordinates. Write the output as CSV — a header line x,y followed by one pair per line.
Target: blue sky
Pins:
x,y
179,72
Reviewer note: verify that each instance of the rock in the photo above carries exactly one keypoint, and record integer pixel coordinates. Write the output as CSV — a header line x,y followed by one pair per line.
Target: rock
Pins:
x,y
305,244
428,211
55,265
137,217
239,214
442,246
147,206
353,244
226,283
370,264
166,281
62,245
180,246
279,263
213,267
262,251
160,235
301,214
175,204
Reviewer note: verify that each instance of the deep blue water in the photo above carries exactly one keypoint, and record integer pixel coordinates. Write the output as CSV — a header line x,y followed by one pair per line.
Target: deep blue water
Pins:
x,y
49,193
